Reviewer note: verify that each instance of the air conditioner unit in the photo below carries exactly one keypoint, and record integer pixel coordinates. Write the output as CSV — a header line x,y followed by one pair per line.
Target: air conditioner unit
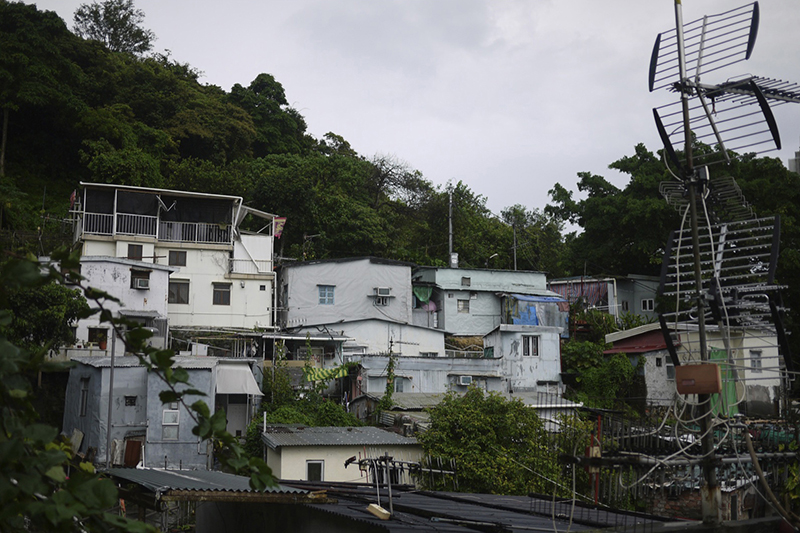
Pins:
x,y
141,283
383,291
465,380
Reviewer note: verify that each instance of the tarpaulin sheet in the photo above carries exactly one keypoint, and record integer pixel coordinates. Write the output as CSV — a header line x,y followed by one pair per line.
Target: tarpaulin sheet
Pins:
x,y
236,379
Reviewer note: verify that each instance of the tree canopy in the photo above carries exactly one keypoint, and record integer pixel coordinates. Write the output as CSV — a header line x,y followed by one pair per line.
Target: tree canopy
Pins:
x,y
115,23
500,446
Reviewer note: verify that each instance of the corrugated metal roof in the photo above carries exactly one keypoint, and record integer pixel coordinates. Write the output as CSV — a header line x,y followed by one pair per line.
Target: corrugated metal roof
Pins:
x,y
285,435
162,481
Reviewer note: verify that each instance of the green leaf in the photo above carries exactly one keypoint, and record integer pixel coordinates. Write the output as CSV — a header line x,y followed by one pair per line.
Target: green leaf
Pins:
x,y
57,474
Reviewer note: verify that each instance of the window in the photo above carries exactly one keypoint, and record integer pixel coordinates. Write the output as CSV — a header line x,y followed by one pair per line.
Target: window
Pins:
x,y
382,301
130,401
530,345
135,251
755,360
262,287
178,292
326,294
140,279
177,258
398,384
625,305
169,424
648,304
670,371
658,362
463,306
98,336
222,294
84,395
488,351
315,470
465,282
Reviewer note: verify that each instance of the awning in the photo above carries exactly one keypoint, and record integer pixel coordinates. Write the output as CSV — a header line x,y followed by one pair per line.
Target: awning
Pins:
x,y
235,378
324,374
139,313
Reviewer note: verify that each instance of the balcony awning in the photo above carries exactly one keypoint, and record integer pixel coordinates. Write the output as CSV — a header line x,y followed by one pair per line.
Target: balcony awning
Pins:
x,y
136,313
236,378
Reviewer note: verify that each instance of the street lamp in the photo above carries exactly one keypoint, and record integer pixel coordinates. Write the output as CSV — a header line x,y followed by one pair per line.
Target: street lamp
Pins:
x,y
489,258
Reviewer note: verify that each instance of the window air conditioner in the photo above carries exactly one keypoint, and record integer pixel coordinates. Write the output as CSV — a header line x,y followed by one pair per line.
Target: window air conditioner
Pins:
x,y
465,380
141,283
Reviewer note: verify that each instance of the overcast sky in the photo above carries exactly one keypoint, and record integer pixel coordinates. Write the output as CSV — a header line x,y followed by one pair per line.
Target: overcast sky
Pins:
x,y
508,96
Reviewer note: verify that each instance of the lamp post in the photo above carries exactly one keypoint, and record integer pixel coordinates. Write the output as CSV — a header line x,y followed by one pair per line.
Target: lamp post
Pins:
x,y
490,258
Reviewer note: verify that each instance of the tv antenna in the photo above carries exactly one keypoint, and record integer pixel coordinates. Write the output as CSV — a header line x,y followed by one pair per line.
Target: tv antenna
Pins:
x,y
727,277
734,115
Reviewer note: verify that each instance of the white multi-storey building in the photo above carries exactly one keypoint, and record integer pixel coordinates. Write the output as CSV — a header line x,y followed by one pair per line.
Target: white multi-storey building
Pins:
x,y
224,276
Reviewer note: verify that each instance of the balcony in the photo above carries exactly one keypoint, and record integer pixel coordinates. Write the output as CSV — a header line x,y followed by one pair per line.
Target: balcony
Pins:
x,y
199,232
150,226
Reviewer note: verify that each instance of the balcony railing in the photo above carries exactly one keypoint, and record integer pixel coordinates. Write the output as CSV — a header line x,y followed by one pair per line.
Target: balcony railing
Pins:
x,y
136,225
98,224
199,232
249,266
151,226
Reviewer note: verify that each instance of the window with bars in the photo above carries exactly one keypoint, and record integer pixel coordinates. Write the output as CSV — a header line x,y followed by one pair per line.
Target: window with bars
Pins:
x,y
530,345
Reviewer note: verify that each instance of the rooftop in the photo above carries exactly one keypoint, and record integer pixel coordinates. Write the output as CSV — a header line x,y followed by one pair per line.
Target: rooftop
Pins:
x,y
277,436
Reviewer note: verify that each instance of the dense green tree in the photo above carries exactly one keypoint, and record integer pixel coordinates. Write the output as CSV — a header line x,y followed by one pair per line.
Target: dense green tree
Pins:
x,y
279,128
115,23
43,316
500,446
33,69
624,230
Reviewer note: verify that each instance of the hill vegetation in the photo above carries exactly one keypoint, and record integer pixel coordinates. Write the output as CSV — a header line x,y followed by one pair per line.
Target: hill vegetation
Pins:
x,y
91,109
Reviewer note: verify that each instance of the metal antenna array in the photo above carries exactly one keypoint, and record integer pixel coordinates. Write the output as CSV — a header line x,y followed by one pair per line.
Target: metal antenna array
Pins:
x,y
726,276
734,115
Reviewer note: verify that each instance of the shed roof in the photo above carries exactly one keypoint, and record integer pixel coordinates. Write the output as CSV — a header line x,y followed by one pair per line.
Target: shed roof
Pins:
x,y
278,436
158,480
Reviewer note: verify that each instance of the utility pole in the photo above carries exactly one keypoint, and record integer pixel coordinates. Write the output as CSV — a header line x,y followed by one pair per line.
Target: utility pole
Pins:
x,y
450,223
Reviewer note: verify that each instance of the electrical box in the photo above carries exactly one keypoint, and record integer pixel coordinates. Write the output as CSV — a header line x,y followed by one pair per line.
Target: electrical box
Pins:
x,y
698,379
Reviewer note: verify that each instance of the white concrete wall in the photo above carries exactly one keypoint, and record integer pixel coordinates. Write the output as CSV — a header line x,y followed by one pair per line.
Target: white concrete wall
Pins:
x,y
293,460
354,282
249,305
115,278
523,372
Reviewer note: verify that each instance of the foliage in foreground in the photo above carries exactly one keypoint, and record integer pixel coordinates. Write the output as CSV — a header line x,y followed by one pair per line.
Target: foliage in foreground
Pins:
x,y
42,485
500,446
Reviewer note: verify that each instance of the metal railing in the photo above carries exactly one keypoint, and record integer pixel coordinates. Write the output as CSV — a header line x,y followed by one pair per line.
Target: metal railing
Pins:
x,y
136,224
249,266
98,224
200,232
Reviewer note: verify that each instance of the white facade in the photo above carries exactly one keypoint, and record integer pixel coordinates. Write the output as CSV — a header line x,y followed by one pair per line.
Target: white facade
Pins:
x,y
365,299
223,275
468,301
530,355
146,306
319,453
751,367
